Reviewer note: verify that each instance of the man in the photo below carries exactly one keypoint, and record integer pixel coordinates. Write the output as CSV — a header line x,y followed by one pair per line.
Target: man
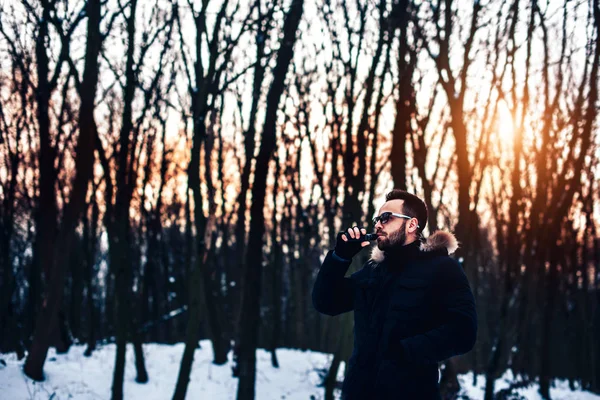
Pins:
x,y
413,306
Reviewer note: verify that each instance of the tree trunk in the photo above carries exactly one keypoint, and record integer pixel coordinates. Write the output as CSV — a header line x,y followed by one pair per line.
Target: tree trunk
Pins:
x,y
275,269
119,254
83,164
9,336
250,316
405,101
61,334
119,229
90,246
140,365
549,294
449,385
249,147
331,378
200,89
193,330
342,330
200,295
77,271
46,213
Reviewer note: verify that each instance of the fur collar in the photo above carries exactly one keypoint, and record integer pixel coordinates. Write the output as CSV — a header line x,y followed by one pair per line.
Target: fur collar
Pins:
x,y
437,240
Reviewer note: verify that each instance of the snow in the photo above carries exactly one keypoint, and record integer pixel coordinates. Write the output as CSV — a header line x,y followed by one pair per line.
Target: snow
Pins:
x,y
73,376
558,391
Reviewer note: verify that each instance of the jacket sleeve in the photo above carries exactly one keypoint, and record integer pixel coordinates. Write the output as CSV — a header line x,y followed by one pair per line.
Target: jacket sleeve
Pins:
x,y
458,330
333,293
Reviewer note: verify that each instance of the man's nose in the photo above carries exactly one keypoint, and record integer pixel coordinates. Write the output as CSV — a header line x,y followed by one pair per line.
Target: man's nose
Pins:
x,y
378,224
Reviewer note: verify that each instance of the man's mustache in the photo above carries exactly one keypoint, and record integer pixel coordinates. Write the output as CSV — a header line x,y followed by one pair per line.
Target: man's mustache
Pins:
x,y
374,235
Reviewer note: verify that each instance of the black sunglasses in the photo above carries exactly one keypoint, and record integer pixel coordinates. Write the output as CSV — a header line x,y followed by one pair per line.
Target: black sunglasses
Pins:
x,y
385,217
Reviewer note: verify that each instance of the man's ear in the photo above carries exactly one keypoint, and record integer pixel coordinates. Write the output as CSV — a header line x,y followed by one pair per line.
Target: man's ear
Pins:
x,y
413,225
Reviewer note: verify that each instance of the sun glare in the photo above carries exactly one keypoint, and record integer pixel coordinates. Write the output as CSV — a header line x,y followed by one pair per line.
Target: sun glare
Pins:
x,y
506,125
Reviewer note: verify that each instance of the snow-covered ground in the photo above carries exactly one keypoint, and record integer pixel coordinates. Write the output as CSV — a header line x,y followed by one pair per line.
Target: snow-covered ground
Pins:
x,y
73,376
559,391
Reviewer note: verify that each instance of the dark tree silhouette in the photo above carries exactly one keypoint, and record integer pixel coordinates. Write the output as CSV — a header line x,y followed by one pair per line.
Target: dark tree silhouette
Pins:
x,y
251,289
83,164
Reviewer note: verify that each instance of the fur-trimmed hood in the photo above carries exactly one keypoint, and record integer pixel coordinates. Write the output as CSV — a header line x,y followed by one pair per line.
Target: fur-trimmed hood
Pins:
x,y
437,240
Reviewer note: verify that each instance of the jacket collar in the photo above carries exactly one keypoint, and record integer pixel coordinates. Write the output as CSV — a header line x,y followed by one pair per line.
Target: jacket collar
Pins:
x,y
404,253
439,240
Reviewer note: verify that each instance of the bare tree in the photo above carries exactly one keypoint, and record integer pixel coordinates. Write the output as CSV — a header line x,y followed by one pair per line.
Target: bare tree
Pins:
x,y
91,221
205,82
12,126
263,29
250,315
455,86
83,164
405,102
126,159
46,214
510,243
564,189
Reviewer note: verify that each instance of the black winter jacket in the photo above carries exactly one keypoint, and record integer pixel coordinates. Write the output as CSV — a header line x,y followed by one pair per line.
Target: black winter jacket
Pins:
x,y
412,309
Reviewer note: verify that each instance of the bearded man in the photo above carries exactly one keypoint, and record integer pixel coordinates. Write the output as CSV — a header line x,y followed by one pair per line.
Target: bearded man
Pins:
x,y
413,306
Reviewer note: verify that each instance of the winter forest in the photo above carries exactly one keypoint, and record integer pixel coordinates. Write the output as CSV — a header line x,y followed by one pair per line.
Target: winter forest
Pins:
x,y
175,170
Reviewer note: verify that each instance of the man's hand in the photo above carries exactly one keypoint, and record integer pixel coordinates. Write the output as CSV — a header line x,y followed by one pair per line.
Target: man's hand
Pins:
x,y
348,244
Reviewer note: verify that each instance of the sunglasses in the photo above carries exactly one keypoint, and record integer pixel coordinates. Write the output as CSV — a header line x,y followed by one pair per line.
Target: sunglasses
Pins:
x,y
385,217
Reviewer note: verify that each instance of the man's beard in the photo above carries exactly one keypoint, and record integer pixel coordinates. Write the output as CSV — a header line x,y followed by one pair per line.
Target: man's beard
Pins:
x,y
393,240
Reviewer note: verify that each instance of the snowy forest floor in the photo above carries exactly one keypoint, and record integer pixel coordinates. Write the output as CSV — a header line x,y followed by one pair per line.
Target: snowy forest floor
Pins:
x,y
73,376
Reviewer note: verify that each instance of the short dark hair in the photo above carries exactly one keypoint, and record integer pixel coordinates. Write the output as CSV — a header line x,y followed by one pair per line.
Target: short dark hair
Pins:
x,y
413,206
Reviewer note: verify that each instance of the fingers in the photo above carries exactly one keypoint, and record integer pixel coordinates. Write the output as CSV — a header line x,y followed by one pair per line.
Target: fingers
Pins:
x,y
355,233
364,244
351,233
